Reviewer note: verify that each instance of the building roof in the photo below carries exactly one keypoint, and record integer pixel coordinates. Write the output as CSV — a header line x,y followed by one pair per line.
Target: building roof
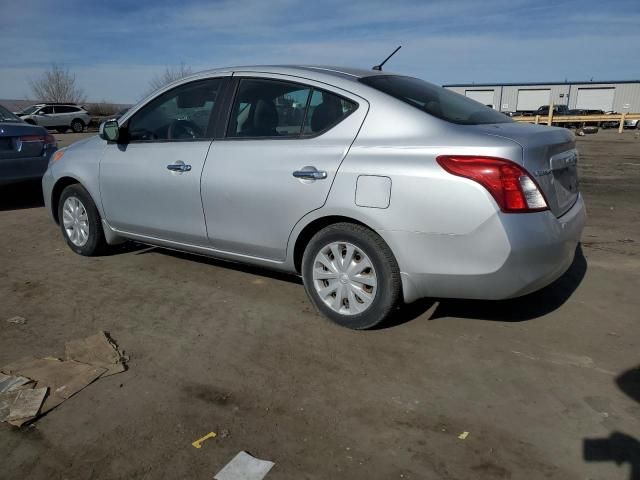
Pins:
x,y
531,84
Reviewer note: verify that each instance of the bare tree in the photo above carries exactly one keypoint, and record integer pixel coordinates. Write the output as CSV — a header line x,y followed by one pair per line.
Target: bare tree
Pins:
x,y
170,74
57,85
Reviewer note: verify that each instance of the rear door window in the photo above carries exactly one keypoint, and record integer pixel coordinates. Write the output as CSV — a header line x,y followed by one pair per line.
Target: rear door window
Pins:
x,y
436,101
268,109
265,108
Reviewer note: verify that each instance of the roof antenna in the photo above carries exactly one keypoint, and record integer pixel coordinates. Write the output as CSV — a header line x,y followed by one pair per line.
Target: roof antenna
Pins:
x,y
379,67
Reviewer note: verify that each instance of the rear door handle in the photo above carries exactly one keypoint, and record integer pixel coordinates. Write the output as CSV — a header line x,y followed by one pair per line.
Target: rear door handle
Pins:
x,y
310,173
179,167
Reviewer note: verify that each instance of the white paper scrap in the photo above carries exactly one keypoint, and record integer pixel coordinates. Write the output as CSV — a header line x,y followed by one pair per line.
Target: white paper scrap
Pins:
x,y
244,467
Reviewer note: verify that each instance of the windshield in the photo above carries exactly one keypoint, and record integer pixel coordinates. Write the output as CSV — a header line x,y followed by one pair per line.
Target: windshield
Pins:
x,y
7,116
436,101
29,110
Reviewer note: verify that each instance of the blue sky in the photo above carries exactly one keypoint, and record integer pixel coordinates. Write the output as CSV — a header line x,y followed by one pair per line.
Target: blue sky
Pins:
x,y
115,46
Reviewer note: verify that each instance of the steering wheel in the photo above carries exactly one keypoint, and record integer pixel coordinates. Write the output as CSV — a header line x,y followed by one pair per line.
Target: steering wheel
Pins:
x,y
180,129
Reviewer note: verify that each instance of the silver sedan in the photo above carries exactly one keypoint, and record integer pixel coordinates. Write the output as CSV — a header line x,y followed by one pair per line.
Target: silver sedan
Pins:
x,y
376,188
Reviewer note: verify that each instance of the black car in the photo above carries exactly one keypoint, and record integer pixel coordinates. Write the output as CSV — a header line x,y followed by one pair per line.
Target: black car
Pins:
x,y
24,149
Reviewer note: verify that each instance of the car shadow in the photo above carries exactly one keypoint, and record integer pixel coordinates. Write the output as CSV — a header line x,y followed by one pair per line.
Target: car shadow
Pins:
x,y
618,447
21,195
519,309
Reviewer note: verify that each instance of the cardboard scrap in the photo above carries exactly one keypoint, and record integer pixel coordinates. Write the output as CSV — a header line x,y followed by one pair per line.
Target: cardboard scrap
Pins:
x,y
9,383
33,386
23,405
63,379
244,467
97,350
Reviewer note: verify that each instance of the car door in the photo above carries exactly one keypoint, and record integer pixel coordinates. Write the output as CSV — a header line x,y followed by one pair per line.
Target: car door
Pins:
x,y
46,116
285,141
150,180
64,114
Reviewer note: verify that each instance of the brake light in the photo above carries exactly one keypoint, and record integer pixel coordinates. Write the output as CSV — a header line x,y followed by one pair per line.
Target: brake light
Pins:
x,y
46,139
510,185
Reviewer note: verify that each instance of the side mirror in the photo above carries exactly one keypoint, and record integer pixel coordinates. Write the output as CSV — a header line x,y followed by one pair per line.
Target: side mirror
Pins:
x,y
109,131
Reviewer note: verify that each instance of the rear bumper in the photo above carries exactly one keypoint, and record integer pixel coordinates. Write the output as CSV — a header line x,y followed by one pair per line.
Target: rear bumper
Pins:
x,y
508,256
13,170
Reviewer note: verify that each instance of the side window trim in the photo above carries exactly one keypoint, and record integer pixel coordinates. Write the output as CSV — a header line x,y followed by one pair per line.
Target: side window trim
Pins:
x,y
301,136
215,113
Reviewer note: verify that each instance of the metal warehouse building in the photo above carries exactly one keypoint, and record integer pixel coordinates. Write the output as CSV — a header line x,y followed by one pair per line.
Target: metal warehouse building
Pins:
x,y
620,96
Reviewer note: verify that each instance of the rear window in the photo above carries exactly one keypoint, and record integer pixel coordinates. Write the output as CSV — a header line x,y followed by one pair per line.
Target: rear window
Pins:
x,y
436,101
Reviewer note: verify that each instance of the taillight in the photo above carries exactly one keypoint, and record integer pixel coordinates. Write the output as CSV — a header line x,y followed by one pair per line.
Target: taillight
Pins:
x,y
510,185
46,139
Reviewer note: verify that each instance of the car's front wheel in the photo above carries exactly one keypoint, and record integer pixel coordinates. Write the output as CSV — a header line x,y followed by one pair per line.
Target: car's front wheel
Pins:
x,y
80,221
351,276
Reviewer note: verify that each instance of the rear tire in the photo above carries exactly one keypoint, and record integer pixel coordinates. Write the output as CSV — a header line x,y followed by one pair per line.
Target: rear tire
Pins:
x,y
342,287
77,126
80,222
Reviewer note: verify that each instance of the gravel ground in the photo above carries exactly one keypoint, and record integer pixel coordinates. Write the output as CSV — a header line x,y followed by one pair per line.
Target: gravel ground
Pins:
x,y
219,347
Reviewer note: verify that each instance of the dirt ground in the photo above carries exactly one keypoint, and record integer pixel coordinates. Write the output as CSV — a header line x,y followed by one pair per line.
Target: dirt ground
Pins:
x,y
547,386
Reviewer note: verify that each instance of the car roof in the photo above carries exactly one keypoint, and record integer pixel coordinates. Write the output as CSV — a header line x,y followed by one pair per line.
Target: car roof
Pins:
x,y
56,104
345,73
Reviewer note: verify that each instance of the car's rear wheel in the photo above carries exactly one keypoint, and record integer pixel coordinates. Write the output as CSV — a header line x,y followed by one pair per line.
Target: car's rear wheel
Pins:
x,y
77,126
351,276
80,221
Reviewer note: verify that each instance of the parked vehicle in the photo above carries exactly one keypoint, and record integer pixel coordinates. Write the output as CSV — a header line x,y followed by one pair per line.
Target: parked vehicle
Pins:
x,y
610,124
631,124
557,110
59,116
24,149
377,189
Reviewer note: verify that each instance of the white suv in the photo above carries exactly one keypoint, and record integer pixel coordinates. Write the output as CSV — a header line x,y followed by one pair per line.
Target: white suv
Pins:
x,y
60,116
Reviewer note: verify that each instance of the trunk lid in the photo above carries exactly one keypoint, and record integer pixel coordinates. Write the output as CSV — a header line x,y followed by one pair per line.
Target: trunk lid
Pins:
x,y
549,155
15,141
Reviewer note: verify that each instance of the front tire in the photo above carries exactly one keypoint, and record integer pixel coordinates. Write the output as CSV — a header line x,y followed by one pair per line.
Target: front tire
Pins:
x,y
80,222
351,276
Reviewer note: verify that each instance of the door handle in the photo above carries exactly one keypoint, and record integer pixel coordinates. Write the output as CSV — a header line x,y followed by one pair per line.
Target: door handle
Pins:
x,y
179,167
310,173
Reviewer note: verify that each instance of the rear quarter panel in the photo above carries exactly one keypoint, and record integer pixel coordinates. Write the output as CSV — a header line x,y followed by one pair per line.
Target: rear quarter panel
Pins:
x,y
402,143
